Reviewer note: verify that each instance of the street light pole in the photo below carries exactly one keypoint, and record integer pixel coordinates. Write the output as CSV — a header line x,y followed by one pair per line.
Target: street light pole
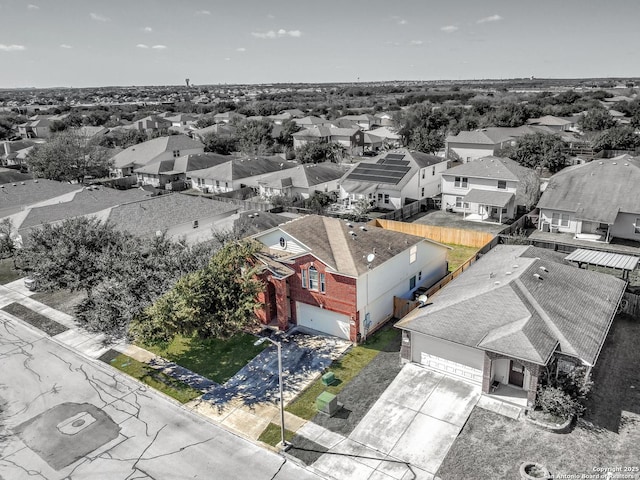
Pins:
x,y
280,385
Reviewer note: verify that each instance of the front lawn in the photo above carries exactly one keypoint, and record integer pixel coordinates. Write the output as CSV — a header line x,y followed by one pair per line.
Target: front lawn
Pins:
x,y
215,359
492,446
345,370
154,378
7,272
459,255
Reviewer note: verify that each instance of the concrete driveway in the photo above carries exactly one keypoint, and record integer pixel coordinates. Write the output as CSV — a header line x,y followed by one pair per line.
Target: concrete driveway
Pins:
x,y
408,431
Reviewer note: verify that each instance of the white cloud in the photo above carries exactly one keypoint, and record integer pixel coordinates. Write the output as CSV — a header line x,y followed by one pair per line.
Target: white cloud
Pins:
x,y
31,6
449,28
271,16
99,18
416,42
492,18
11,48
65,45
203,12
402,22
241,49
399,20
142,45
228,58
280,33
148,29
159,47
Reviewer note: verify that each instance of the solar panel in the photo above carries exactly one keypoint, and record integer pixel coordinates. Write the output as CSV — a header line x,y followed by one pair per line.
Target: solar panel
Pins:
x,y
386,161
379,173
395,156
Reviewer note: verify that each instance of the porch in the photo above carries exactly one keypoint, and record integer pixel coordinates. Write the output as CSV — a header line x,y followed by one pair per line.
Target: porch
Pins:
x,y
509,394
490,205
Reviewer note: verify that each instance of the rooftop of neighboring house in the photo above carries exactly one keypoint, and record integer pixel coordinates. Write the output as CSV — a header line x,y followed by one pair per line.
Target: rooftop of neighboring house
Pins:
x,y
217,128
244,167
498,168
496,135
519,302
88,200
304,176
330,240
228,116
19,195
392,169
183,117
294,112
551,120
384,132
89,131
596,191
9,147
310,120
148,216
146,152
184,164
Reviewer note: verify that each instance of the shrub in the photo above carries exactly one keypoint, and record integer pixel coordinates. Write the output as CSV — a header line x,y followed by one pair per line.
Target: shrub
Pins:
x,y
554,401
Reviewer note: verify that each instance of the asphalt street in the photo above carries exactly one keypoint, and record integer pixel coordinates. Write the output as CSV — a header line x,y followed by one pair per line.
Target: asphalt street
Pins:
x,y
64,416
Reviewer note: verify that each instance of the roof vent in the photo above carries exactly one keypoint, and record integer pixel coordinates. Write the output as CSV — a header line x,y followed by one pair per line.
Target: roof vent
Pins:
x,y
350,225
626,164
497,282
600,163
15,184
35,181
615,163
250,215
537,276
352,233
544,269
515,266
363,228
508,273
21,183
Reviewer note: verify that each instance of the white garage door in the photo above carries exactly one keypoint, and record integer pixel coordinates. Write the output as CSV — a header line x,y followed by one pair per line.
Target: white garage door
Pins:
x,y
323,320
451,368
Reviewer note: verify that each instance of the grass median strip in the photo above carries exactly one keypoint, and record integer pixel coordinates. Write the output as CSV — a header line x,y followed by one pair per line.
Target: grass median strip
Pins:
x,y
345,369
213,358
150,376
272,435
50,327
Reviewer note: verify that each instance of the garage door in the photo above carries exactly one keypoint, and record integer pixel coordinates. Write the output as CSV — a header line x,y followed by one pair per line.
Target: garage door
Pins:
x,y
322,320
450,367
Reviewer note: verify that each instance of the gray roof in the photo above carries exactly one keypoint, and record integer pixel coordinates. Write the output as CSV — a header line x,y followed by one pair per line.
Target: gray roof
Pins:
x,y
185,163
145,217
596,191
515,303
489,167
146,152
330,241
21,194
304,176
489,197
239,168
496,135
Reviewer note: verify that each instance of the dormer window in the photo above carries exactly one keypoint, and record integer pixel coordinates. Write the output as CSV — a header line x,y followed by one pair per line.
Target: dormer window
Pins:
x,y
502,184
461,182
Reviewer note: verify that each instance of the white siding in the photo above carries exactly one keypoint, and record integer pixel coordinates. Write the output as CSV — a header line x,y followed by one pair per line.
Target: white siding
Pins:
x,y
624,226
323,320
546,216
272,240
469,153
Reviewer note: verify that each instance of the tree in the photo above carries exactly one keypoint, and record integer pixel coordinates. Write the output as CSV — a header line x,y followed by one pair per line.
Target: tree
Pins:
x,y
69,156
254,137
318,202
540,150
217,301
428,141
595,120
7,244
617,138
222,144
289,127
314,152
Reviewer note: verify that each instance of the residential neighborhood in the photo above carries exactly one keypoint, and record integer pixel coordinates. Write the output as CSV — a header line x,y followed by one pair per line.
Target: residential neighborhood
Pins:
x,y
250,241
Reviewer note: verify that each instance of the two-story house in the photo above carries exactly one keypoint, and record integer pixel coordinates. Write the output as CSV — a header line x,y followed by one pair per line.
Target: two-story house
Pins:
x,y
340,278
396,177
594,201
489,188
302,181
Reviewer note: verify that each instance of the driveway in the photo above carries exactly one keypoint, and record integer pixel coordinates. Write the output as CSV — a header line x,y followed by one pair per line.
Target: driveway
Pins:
x,y
406,434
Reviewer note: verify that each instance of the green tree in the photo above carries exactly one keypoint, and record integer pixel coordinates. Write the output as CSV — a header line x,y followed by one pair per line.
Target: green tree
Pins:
x,y
222,144
540,150
428,141
617,138
289,127
596,120
314,152
217,301
69,156
318,202
7,244
254,137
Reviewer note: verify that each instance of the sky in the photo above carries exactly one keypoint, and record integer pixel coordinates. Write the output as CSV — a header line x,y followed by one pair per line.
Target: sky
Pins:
x,y
80,43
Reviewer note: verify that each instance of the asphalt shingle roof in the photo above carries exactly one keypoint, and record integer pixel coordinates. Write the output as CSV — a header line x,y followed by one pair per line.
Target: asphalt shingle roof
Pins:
x,y
596,191
33,191
513,303
146,152
239,168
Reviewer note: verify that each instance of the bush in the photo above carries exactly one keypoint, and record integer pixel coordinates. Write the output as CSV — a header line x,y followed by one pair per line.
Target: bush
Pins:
x,y
554,401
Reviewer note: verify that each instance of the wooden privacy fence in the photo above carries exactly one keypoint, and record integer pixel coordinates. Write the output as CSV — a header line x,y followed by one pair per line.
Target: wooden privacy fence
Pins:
x,y
630,304
456,236
402,306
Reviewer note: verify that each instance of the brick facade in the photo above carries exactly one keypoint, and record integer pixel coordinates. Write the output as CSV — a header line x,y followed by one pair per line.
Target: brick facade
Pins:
x,y
339,295
533,369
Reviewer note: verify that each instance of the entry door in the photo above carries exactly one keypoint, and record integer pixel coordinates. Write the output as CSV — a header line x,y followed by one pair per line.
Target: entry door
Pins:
x,y
516,374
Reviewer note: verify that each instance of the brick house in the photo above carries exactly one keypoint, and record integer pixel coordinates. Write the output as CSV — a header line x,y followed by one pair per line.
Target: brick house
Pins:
x,y
516,311
339,278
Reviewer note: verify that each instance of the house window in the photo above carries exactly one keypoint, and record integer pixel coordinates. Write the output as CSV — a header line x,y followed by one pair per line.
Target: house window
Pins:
x,y
313,278
561,219
226,184
217,183
502,184
386,198
433,171
636,226
176,153
423,174
323,283
304,278
422,192
458,202
420,275
379,197
461,182
413,254
412,283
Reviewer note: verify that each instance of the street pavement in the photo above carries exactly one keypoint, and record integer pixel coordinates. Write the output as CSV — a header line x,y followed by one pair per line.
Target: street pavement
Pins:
x,y
64,416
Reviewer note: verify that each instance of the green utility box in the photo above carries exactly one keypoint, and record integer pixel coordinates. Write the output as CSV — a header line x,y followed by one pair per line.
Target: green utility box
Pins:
x,y
327,403
328,378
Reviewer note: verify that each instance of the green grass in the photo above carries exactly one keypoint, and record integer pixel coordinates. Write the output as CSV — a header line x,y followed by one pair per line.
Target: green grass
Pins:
x,y
459,255
7,272
345,369
47,325
272,435
215,359
154,378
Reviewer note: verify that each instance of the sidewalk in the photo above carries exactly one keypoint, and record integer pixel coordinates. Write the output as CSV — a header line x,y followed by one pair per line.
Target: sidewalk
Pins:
x,y
227,405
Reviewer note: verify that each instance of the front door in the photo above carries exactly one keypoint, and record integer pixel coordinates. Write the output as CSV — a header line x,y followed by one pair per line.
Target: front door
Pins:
x,y
516,374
